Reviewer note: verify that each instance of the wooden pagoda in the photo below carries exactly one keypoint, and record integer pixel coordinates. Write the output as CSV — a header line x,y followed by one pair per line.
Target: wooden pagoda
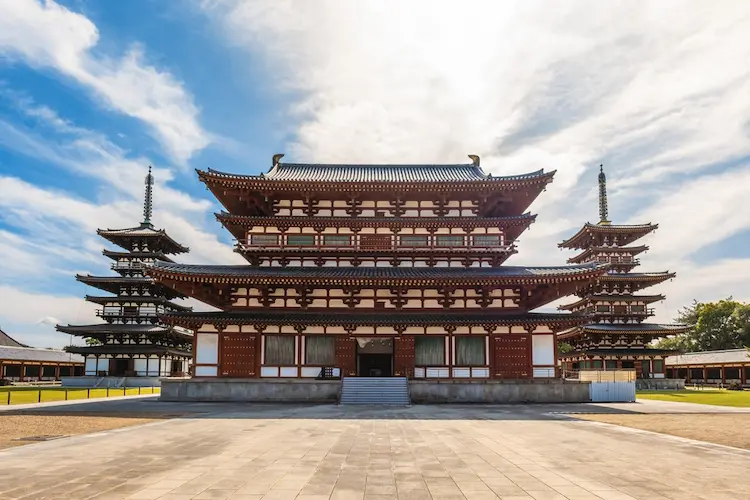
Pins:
x,y
618,337
375,270
132,341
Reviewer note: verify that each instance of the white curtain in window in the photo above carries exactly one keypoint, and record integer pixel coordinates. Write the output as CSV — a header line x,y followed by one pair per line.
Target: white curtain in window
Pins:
x,y
429,351
279,350
319,350
470,351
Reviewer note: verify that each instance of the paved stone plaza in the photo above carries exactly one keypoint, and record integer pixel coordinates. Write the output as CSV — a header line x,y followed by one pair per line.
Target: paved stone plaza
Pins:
x,y
233,451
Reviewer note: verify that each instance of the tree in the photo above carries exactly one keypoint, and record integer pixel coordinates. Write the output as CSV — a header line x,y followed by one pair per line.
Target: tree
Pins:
x,y
564,347
93,341
714,325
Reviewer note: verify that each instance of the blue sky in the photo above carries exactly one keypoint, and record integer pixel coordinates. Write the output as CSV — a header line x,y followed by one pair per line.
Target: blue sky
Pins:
x,y
93,92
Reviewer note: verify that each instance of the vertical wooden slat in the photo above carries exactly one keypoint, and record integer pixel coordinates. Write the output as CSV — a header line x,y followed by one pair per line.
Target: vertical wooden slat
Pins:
x,y
404,356
512,356
238,353
346,355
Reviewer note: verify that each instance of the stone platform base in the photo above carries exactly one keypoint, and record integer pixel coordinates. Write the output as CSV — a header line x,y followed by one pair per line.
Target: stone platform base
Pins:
x,y
251,390
660,384
91,381
421,391
499,391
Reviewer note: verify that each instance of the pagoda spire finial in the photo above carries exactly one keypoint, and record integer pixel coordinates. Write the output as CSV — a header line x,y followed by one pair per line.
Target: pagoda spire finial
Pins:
x,y
147,201
603,210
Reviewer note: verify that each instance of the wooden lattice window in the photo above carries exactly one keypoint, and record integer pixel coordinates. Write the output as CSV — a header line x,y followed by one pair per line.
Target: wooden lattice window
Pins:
x,y
445,240
337,240
301,240
414,241
264,239
488,240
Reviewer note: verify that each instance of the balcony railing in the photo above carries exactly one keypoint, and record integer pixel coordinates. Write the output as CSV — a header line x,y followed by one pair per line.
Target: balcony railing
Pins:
x,y
134,266
620,312
457,243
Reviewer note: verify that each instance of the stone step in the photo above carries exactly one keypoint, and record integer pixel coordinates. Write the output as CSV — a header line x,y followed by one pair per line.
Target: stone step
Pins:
x,y
375,391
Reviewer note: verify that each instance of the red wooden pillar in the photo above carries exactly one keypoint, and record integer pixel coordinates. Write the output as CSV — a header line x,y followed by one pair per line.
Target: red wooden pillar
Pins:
x,y
723,375
23,373
705,374
346,358
403,350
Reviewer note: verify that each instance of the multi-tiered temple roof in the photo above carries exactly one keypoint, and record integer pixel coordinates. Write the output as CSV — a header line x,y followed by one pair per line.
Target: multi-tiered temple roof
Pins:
x,y
355,252
131,328
619,331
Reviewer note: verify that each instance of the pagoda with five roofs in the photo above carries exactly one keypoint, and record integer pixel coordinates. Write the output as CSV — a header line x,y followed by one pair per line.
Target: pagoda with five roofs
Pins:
x,y
619,336
131,341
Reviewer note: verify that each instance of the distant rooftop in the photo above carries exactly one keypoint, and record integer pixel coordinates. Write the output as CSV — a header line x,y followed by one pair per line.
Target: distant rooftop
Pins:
x,y
36,354
711,357
7,341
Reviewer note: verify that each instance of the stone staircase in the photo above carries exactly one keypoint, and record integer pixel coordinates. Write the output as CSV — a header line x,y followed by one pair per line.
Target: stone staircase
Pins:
x,y
375,391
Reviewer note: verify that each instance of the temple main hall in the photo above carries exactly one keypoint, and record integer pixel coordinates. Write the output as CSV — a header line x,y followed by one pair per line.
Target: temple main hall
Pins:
x,y
375,271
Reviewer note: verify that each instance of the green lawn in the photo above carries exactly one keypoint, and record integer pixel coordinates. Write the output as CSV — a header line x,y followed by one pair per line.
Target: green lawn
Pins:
x,y
22,395
703,397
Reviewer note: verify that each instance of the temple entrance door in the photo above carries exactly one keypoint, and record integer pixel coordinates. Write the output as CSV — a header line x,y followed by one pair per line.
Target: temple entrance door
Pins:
x,y
374,357
120,367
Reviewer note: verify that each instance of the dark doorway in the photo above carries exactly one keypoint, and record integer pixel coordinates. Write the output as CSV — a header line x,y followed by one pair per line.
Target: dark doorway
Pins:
x,y
374,357
120,367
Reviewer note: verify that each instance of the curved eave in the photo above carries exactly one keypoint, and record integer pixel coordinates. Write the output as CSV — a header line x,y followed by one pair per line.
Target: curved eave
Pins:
x,y
112,284
242,275
155,300
128,350
646,299
211,176
628,233
587,253
648,329
238,225
347,318
141,255
647,279
617,352
122,238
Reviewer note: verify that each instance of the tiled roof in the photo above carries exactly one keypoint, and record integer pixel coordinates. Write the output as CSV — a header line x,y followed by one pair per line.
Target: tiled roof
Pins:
x,y
620,352
628,233
122,236
711,357
402,317
647,299
104,328
112,284
635,328
638,276
129,349
7,341
33,354
307,172
136,300
141,255
375,273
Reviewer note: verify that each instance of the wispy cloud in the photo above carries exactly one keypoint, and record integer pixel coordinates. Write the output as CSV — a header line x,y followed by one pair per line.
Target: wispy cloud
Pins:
x,y
658,92
46,34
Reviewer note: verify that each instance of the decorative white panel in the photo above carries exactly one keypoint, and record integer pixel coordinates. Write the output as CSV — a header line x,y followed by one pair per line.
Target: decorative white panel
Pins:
x,y
206,349
543,349
419,372
438,372
269,371
480,372
139,365
461,372
658,375
205,371
288,371
90,367
544,372
103,364
310,371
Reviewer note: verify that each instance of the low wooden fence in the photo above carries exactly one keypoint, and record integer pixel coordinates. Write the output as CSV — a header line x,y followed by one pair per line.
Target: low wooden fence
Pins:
x,y
25,395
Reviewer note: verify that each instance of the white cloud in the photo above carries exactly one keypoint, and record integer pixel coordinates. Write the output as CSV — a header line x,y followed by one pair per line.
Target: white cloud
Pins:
x,y
659,92
45,34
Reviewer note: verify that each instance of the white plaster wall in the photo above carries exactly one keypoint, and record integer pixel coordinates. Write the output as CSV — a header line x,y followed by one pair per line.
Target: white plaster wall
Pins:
x,y
139,364
90,366
206,348
543,349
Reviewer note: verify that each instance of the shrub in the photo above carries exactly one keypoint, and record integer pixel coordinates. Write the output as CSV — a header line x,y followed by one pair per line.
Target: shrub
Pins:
x,y
734,386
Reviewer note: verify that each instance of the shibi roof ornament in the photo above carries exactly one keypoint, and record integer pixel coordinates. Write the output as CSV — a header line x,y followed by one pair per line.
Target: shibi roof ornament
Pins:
x,y
603,209
147,202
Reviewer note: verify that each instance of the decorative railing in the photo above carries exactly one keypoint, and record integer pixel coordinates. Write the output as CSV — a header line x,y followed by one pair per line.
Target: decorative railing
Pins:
x,y
458,243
